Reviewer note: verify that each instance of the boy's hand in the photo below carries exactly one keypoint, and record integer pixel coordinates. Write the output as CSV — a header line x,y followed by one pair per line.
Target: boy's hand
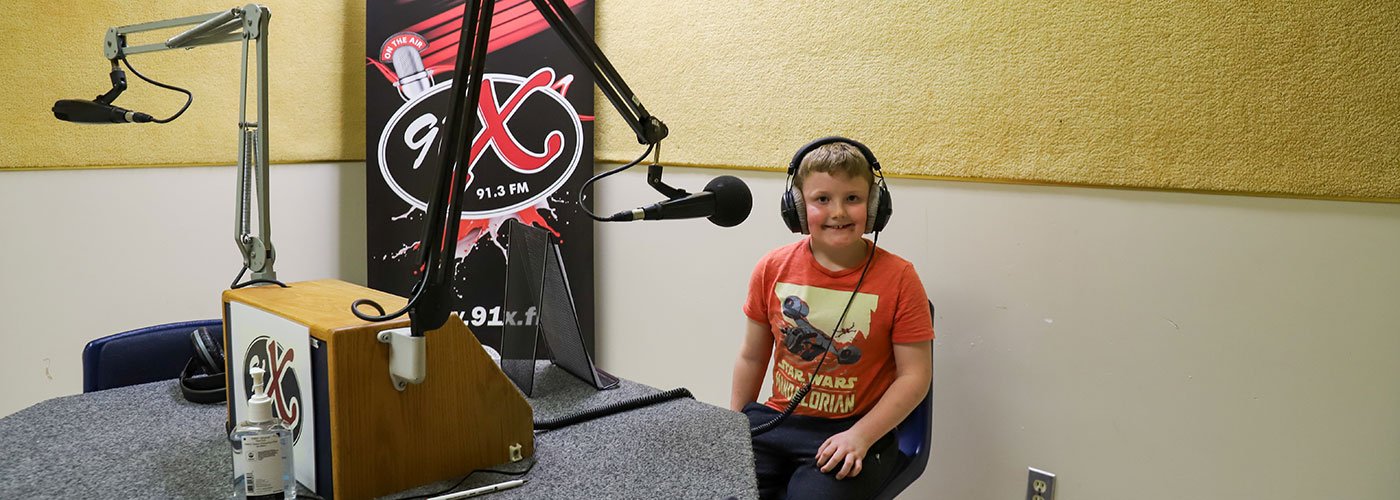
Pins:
x,y
845,450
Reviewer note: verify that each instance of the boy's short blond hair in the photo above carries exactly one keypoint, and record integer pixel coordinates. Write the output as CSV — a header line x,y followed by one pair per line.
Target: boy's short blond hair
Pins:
x,y
836,159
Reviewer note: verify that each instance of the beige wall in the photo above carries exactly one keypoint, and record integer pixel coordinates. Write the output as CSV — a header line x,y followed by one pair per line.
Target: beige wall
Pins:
x,y
88,253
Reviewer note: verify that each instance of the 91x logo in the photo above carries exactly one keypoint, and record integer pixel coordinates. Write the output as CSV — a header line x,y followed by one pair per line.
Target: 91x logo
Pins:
x,y
520,122
281,380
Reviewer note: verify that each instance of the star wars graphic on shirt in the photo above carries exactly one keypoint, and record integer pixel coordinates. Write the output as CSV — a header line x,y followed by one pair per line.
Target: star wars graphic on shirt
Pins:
x,y
809,330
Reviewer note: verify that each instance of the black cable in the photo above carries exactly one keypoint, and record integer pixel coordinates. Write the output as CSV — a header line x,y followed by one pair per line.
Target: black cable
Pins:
x,y
595,178
359,302
618,407
464,479
236,285
239,277
417,292
802,393
189,98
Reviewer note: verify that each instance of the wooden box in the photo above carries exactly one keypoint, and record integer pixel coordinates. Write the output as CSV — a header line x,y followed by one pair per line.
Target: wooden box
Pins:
x,y
357,435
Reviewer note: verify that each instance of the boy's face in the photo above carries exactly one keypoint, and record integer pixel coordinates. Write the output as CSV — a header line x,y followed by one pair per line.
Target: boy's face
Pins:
x,y
835,208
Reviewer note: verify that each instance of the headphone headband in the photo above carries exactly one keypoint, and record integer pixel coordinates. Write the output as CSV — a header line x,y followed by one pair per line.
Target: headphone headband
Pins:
x,y
832,139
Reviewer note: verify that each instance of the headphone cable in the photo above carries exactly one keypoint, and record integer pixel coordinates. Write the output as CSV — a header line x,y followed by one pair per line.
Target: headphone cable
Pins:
x,y
802,393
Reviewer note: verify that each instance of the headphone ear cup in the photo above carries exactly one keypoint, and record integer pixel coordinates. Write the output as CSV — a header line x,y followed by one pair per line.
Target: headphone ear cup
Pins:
x,y
880,209
873,205
794,211
203,379
208,350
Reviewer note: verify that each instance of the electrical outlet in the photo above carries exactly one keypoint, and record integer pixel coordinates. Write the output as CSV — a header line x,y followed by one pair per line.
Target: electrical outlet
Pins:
x,y
1040,486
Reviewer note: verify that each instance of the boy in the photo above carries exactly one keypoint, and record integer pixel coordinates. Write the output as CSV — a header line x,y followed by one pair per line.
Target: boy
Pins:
x,y
875,364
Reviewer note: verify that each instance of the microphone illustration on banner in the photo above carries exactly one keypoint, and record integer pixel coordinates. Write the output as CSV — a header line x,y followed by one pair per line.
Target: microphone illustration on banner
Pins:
x,y
726,201
84,111
405,52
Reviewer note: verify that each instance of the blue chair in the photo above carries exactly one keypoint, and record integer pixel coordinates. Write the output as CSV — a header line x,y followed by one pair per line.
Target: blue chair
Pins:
x,y
915,434
143,355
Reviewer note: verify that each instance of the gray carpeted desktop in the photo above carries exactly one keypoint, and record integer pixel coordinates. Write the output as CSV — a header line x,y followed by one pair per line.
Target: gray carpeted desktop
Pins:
x,y
145,441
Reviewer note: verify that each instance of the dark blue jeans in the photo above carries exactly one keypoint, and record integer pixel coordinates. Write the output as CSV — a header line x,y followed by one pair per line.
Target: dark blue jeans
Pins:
x,y
785,458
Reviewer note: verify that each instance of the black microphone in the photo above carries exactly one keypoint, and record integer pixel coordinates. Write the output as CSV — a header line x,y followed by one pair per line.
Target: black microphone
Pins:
x,y
84,111
726,201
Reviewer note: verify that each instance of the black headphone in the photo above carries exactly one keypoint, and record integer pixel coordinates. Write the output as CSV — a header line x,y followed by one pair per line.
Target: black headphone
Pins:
x,y
794,208
202,380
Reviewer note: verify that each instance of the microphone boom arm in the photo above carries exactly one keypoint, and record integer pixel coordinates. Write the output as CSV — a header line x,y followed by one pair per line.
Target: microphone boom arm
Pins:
x,y
247,24
649,129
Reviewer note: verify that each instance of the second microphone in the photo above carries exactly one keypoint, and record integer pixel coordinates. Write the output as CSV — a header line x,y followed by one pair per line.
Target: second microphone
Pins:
x,y
726,201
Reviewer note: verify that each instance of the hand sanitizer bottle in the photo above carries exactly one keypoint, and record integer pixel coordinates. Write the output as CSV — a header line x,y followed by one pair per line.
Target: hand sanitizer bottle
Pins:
x,y
262,450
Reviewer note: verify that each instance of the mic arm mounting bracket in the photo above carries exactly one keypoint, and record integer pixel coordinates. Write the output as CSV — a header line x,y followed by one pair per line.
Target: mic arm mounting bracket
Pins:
x,y
654,180
247,24
118,78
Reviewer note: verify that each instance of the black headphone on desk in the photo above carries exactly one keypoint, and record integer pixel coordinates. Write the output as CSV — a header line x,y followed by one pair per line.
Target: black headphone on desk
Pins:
x,y
794,208
202,380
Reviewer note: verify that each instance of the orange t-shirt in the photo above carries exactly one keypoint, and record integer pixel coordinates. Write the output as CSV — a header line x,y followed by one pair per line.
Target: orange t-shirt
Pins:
x,y
801,301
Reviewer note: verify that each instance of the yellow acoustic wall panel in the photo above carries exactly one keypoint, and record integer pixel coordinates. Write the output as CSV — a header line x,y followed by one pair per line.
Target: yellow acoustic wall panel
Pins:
x,y
1287,98
54,50
1276,98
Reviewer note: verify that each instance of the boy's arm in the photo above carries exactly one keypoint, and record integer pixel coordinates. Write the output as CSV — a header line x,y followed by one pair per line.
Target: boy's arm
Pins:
x,y
753,360
913,371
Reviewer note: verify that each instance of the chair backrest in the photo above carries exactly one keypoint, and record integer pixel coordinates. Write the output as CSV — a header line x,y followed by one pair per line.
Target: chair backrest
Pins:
x,y
915,434
142,355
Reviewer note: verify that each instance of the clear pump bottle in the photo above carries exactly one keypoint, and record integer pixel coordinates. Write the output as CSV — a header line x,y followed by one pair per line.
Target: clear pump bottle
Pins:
x,y
262,450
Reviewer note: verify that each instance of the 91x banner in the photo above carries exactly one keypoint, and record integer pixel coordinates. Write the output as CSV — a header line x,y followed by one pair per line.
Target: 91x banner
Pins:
x,y
531,151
